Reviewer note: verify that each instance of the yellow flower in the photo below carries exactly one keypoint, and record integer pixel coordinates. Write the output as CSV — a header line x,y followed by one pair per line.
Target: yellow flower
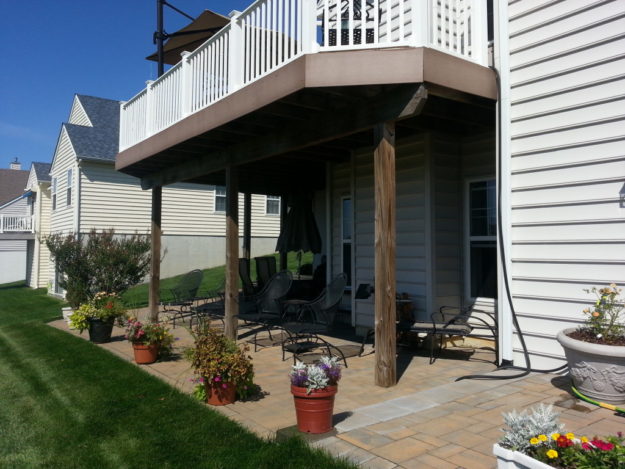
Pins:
x,y
552,453
542,437
555,436
570,436
584,439
534,441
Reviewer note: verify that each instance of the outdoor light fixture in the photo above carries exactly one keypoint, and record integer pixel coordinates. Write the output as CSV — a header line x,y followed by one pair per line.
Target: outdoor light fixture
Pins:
x,y
364,291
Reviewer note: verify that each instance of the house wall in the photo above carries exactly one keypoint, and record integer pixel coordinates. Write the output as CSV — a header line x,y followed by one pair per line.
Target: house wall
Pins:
x,y
567,163
12,254
18,208
39,264
62,219
78,115
193,233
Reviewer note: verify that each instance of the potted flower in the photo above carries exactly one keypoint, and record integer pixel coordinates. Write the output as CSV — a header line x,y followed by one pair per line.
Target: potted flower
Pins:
x,y
148,340
98,316
530,442
595,351
224,368
313,388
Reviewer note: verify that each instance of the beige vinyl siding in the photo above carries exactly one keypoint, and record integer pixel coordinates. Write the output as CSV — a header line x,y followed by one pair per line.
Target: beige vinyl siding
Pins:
x,y
62,219
43,222
18,208
78,115
110,199
567,94
411,199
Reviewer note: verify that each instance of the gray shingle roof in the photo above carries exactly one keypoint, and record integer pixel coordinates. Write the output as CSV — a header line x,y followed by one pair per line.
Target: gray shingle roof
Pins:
x,y
100,142
12,184
42,171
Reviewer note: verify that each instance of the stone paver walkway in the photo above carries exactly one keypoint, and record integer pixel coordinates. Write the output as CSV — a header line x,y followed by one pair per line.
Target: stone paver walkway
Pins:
x,y
428,420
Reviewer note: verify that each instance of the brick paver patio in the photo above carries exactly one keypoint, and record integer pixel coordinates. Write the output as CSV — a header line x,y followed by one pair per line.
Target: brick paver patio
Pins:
x,y
428,420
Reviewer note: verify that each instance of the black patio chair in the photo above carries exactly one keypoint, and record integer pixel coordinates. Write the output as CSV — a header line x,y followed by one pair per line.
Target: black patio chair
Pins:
x,y
304,335
267,302
265,269
249,289
447,321
212,306
184,294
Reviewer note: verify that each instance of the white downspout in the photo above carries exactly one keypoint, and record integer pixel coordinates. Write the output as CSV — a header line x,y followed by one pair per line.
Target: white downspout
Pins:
x,y
76,201
501,59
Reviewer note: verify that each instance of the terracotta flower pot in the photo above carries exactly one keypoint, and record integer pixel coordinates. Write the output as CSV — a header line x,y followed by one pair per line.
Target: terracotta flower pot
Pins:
x,y
145,353
314,411
217,394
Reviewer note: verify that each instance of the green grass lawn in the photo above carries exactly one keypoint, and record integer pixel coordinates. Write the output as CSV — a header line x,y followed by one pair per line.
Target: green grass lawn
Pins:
x,y
66,403
137,297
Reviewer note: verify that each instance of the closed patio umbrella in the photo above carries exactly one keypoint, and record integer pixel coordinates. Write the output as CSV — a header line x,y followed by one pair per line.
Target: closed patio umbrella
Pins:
x,y
300,232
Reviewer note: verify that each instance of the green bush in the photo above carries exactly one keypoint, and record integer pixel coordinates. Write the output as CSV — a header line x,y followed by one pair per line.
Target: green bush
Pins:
x,y
102,262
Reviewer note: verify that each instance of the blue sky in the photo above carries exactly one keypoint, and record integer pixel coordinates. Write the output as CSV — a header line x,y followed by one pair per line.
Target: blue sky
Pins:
x,y
52,49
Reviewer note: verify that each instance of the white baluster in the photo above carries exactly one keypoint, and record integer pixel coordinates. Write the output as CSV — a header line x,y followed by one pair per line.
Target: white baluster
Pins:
x,y
1,223
186,85
149,108
479,32
309,26
235,56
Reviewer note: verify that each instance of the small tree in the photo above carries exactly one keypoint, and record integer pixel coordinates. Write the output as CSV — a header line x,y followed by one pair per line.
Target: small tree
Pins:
x,y
102,262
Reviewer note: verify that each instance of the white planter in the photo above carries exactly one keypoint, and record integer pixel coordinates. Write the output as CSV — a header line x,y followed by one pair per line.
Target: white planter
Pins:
x,y
67,312
598,371
507,459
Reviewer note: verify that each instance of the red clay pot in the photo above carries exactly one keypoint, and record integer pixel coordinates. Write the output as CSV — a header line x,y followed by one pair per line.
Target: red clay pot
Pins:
x,y
314,411
216,394
145,354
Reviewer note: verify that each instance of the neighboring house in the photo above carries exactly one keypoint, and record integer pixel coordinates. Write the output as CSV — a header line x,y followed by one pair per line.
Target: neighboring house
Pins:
x,y
15,223
86,192
400,107
40,205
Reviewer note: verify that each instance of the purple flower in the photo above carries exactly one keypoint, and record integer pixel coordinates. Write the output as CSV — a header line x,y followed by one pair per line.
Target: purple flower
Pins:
x,y
217,379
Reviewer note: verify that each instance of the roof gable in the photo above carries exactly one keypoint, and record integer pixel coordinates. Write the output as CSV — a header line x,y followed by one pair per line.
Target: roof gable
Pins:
x,y
39,172
78,115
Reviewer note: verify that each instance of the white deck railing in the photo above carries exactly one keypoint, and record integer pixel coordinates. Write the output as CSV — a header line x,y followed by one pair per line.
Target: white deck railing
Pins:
x,y
16,224
271,33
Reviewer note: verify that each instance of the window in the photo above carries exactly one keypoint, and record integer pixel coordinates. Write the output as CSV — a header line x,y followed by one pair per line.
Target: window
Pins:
x,y
69,188
220,199
482,242
53,193
33,201
272,205
346,236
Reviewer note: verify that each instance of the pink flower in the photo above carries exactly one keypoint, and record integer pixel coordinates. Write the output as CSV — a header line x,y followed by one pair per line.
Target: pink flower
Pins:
x,y
217,379
225,386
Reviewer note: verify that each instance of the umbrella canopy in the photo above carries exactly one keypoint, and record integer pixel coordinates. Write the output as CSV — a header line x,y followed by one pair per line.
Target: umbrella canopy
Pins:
x,y
208,22
300,232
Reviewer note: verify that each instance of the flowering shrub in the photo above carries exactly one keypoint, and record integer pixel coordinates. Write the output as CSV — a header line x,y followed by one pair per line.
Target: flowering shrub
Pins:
x,y
568,451
103,306
151,333
220,361
603,319
316,376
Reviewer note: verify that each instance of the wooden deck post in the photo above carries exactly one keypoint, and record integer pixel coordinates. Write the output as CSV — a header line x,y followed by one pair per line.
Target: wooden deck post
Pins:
x,y
155,253
384,181
232,253
247,225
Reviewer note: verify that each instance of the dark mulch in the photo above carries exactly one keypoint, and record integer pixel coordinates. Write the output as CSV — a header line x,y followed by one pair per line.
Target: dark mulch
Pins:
x,y
588,336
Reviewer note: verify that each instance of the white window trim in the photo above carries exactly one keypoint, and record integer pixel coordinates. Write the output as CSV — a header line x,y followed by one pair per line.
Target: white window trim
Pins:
x,y
215,202
69,187
279,199
467,238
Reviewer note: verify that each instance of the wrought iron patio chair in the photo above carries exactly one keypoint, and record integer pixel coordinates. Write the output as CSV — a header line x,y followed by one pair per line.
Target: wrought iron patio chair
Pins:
x,y
249,289
265,269
268,300
447,321
184,293
212,306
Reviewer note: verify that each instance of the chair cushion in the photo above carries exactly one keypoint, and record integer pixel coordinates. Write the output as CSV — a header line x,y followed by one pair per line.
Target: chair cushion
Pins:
x,y
441,328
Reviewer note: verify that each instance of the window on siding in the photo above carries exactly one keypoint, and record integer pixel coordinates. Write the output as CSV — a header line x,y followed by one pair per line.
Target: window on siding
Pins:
x,y
220,199
69,188
33,201
53,193
272,205
482,272
346,236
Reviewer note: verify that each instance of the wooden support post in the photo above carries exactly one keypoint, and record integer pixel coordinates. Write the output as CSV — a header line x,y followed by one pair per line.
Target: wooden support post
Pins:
x,y
155,262
232,253
385,314
247,225
283,210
